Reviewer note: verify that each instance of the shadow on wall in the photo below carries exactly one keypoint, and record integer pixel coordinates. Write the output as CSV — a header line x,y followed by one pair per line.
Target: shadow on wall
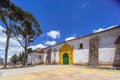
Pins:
x,y
116,62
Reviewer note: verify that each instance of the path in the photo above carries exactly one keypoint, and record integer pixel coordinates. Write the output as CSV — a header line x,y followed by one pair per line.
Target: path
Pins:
x,y
16,71
60,72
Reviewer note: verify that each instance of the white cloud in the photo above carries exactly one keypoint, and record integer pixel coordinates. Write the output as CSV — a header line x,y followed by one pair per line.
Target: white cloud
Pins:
x,y
102,29
14,46
2,35
50,43
38,46
1,28
70,38
53,34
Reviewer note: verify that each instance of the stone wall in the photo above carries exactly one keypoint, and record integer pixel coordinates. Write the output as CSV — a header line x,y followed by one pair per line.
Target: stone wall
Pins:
x,y
48,57
116,62
93,52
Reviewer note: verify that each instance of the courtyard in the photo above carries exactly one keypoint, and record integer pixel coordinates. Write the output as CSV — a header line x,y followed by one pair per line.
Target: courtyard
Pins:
x,y
59,72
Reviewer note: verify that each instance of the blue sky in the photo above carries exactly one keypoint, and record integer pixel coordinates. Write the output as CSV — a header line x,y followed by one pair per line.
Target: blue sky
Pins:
x,y
70,18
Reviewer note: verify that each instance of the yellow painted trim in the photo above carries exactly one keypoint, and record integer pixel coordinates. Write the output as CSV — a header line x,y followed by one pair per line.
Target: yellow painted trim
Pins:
x,y
66,48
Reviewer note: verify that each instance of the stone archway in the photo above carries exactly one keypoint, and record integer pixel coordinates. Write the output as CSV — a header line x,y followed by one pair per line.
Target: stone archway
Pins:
x,y
66,48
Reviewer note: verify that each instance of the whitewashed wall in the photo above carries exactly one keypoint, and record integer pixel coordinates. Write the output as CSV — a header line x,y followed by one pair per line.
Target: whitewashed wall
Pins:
x,y
80,55
106,47
106,55
33,58
44,57
57,47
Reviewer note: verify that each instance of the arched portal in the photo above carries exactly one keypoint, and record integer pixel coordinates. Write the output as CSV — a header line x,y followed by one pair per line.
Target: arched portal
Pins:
x,y
66,50
65,58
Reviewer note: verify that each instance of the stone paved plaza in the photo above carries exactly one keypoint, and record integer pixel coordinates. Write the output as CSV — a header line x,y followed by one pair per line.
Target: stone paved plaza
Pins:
x,y
59,72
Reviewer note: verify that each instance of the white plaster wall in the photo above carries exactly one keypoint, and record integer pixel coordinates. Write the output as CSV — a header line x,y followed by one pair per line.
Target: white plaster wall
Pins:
x,y
106,47
44,57
56,57
57,47
106,55
33,58
81,56
52,57
108,39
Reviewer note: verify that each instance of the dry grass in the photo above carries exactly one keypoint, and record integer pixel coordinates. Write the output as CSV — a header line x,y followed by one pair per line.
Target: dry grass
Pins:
x,y
69,73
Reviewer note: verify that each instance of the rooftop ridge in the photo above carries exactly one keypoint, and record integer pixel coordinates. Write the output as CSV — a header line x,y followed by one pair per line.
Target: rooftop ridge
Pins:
x,y
118,26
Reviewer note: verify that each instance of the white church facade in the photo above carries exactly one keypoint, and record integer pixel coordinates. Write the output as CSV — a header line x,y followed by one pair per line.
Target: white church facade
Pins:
x,y
97,49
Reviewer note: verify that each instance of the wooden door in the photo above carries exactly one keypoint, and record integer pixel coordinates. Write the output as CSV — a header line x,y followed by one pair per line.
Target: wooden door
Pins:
x,y
65,58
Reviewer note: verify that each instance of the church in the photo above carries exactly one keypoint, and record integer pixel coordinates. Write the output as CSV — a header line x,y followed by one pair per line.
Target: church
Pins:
x,y
97,49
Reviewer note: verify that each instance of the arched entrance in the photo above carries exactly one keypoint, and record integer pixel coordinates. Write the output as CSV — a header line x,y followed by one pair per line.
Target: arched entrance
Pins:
x,y
66,54
65,58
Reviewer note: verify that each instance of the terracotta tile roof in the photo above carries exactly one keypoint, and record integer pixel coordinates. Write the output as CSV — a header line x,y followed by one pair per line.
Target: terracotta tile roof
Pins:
x,y
39,50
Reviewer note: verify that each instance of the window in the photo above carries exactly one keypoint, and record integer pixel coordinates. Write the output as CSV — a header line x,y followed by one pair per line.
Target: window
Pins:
x,y
81,46
40,57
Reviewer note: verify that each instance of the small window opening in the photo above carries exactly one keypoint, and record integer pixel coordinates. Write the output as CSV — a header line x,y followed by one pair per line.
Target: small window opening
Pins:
x,y
40,57
81,46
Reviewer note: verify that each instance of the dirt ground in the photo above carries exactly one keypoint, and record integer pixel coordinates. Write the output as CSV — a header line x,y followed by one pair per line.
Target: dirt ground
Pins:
x,y
69,73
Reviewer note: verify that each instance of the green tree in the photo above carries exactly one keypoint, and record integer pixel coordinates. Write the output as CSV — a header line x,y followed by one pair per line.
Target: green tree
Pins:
x,y
22,54
4,4
14,59
29,50
20,57
7,19
18,23
28,31
10,15
1,60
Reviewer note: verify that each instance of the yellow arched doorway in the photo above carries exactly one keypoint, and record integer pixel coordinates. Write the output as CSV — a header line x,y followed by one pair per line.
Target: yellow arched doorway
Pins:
x,y
66,54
